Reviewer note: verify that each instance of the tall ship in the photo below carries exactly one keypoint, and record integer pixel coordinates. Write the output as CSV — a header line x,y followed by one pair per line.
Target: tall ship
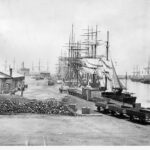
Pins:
x,y
88,69
137,75
146,76
141,75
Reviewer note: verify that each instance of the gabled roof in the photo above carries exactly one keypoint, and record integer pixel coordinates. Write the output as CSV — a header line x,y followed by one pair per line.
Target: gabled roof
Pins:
x,y
4,75
7,75
16,75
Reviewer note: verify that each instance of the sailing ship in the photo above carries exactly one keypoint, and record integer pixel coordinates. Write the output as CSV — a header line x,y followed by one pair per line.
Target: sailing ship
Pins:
x,y
146,76
117,91
146,79
136,77
93,70
142,76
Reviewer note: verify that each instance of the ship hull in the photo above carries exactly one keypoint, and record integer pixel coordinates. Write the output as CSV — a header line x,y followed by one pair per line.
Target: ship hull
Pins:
x,y
136,79
143,79
146,79
122,97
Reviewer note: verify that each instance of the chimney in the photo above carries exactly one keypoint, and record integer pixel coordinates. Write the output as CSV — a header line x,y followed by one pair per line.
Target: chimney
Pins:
x,y
22,64
10,70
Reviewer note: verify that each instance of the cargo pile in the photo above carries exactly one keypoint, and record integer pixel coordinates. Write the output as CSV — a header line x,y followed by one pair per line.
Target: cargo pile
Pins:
x,y
15,105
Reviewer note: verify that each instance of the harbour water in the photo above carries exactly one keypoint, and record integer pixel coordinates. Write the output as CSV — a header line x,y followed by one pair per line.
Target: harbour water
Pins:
x,y
141,91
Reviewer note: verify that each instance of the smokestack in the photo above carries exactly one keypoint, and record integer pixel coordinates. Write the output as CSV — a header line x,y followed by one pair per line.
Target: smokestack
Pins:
x,y
10,69
22,64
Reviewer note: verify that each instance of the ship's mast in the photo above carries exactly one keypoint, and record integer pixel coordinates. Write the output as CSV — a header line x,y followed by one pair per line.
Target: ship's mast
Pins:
x,y
14,63
107,56
126,77
69,56
148,69
47,67
92,42
39,65
96,41
88,42
107,45
5,65
72,51
78,50
32,66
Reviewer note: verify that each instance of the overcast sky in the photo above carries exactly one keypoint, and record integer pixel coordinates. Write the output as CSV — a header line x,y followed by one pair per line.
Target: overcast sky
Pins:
x,y
37,29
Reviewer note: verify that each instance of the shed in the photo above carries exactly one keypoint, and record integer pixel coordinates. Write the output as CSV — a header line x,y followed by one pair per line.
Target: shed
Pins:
x,y
45,74
10,81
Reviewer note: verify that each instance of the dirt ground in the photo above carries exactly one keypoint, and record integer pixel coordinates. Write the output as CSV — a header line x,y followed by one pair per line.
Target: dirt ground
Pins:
x,y
65,130
39,89
94,129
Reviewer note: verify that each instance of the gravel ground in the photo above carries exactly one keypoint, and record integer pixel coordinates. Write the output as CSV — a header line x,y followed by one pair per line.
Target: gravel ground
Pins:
x,y
65,130
39,89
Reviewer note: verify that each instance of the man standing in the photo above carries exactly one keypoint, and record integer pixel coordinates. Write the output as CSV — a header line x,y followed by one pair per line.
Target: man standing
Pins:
x,y
22,89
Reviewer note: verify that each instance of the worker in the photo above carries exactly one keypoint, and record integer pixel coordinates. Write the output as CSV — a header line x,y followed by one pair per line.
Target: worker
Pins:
x,y
22,89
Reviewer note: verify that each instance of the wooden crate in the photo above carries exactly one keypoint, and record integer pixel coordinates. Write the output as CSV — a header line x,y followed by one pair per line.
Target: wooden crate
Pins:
x,y
85,110
73,107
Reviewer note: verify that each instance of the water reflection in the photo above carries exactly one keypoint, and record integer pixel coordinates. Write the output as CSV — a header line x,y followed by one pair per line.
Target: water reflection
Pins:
x,y
141,91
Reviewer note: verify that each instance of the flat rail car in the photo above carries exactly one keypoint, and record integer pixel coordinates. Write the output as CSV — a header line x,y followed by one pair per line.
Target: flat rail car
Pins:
x,y
143,115
117,109
133,112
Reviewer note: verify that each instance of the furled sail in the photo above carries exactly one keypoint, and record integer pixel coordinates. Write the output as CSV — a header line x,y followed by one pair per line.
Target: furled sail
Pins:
x,y
89,65
106,68
102,68
99,66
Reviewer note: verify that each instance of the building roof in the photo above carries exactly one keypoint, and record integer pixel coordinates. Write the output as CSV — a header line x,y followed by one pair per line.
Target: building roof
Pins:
x,y
24,69
4,75
44,72
17,75
7,75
